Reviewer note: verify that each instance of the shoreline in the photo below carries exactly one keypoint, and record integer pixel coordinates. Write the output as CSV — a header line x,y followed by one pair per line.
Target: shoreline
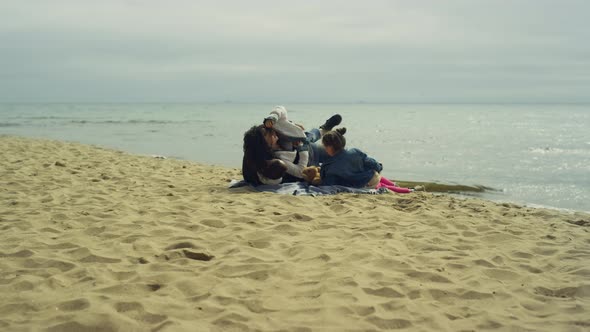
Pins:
x,y
535,168
448,188
94,238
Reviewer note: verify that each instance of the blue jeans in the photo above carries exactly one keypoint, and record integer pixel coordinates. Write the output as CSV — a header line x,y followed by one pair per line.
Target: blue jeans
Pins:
x,y
317,153
313,135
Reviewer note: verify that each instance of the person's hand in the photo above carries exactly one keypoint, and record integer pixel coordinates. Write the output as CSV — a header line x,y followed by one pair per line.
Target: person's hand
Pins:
x,y
268,123
316,181
309,173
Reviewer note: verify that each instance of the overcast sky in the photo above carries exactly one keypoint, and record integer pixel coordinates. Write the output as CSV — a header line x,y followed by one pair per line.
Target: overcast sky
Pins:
x,y
295,51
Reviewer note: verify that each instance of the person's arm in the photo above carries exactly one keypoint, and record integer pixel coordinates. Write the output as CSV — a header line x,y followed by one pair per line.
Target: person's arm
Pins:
x,y
370,163
269,122
328,178
263,172
265,180
373,164
269,173
296,169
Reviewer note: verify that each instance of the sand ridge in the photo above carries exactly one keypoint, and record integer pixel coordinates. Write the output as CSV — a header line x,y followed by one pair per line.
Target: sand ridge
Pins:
x,y
96,239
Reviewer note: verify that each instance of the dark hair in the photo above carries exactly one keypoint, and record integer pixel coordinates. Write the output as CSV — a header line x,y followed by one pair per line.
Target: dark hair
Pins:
x,y
255,147
275,169
256,154
335,140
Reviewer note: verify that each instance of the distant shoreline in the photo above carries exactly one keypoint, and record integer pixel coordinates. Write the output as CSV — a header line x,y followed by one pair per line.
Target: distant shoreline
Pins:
x,y
533,103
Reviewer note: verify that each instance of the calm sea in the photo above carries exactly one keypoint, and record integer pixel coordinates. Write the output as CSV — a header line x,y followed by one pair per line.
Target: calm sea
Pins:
x,y
533,154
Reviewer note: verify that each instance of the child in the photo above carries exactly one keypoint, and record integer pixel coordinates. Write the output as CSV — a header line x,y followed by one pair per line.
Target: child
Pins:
x,y
352,167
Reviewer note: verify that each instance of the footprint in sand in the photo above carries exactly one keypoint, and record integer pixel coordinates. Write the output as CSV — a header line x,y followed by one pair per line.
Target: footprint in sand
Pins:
x,y
340,209
216,223
20,254
299,217
75,326
545,251
571,292
123,275
198,256
184,253
135,310
389,324
473,295
384,292
22,285
285,228
48,263
259,244
501,274
94,230
50,230
363,310
427,276
441,295
99,259
182,245
73,305
261,275
225,324
531,269
484,263
520,254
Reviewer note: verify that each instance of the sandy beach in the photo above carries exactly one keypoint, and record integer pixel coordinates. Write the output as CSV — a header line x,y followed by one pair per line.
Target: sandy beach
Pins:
x,y
93,239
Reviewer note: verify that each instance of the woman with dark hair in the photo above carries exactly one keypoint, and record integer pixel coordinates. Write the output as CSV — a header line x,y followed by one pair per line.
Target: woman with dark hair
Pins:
x,y
259,166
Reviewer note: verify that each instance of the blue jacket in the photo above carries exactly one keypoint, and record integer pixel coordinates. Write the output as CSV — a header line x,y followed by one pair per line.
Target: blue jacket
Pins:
x,y
351,168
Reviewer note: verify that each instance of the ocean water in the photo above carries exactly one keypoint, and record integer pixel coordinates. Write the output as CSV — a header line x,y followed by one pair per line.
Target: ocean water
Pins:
x,y
531,154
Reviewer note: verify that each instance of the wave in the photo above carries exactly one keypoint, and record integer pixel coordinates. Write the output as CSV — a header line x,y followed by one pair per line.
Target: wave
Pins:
x,y
9,124
559,151
49,117
137,121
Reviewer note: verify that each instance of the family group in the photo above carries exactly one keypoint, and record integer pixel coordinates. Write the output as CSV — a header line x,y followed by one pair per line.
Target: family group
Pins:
x,y
280,150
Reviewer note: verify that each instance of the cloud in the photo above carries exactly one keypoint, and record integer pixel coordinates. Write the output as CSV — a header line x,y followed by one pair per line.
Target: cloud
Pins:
x,y
521,51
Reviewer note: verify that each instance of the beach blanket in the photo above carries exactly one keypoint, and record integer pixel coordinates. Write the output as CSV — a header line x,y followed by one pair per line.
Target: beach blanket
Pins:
x,y
305,189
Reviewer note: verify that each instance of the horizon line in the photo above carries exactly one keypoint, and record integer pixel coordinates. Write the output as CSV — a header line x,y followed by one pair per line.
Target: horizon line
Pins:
x,y
314,102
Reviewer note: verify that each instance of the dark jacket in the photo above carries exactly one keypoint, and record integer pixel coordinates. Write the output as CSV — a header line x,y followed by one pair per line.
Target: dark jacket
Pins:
x,y
351,168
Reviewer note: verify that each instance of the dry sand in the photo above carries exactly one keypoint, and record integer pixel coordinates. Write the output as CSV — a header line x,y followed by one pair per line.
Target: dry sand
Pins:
x,y
99,240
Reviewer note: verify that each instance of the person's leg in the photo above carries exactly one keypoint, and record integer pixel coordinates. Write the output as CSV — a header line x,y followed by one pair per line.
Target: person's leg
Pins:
x,y
313,135
317,154
399,190
386,183
332,122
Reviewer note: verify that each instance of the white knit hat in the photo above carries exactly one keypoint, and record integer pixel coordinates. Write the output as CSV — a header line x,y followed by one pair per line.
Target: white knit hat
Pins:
x,y
283,125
